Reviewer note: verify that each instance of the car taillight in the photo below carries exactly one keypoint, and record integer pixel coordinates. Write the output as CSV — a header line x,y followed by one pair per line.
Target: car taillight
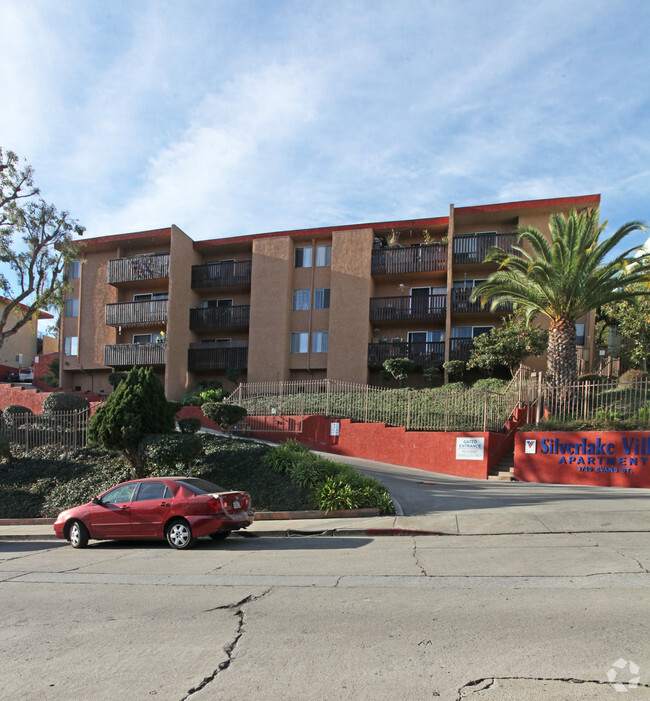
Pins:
x,y
215,504
245,501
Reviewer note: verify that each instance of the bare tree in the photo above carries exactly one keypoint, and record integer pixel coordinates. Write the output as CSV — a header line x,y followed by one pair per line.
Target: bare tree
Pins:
x,y
36,245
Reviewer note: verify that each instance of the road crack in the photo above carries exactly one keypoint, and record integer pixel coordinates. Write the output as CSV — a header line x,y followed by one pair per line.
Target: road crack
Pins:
x,y
229,649
484,683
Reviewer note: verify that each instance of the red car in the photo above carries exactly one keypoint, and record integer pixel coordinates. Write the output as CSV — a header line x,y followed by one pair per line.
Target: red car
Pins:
x,y
180,509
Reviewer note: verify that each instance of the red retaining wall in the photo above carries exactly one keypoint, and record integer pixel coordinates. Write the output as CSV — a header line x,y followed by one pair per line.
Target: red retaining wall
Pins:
x,y
33,398
602,458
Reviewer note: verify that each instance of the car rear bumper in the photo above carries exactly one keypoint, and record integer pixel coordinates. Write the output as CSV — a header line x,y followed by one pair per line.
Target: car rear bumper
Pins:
x,y
206,524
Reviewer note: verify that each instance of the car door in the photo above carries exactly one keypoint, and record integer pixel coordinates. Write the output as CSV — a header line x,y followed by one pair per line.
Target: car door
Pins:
x,y
111,517
150,508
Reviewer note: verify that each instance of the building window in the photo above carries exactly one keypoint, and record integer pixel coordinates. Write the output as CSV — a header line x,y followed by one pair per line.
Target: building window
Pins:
x,y
300,342
323,256
303,257
148,296
216,303
300,300
74,270
469,331
72,306
147,338
580,334
322,298
71,345
320,342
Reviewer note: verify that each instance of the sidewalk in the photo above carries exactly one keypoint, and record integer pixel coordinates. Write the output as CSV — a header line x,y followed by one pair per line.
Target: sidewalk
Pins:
x,y
467,523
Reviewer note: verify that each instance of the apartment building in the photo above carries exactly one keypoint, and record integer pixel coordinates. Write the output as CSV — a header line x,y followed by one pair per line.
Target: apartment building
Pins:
x,y
330,302
19,349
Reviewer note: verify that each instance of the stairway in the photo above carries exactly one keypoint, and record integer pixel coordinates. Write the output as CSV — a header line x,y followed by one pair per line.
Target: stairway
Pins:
x,y
505,469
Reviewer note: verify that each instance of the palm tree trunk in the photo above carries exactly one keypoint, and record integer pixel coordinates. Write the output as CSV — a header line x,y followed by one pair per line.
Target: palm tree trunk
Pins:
x,y
562,358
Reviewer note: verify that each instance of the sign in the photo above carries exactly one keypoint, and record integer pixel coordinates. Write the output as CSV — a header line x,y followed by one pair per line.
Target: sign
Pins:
x,y
468,448
335,428
531,446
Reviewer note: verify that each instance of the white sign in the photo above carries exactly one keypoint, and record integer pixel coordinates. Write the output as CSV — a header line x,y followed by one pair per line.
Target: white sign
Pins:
x,y
470,448
335,428
531,446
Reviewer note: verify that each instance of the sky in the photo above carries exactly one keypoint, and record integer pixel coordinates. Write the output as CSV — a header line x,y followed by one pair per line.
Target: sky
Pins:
x,y
231,117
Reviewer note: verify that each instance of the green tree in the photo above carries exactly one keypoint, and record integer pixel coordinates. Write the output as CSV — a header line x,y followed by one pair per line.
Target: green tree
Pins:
x,y
136,408
632,318
226,415
508,345
564,278
399,368
36,246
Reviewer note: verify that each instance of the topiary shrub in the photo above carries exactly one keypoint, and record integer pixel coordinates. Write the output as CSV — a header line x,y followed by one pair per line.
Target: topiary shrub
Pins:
x,y
631,376
13,414
455,368
226,415
170,449
114,378
136,408
189,425
64,401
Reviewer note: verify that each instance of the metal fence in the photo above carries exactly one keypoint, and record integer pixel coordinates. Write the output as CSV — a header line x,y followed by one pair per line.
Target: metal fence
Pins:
x,y
67,429
425,409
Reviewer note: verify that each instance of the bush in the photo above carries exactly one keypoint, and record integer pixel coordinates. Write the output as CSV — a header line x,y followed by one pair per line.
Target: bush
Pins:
x,y
431,373
114,378
284,457
631,376
591,377
455,368
64,401
13,414
189,425
491,384
226,415
205,391
170,449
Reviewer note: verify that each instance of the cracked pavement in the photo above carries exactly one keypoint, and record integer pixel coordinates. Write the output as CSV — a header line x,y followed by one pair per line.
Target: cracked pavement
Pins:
x,y
480,617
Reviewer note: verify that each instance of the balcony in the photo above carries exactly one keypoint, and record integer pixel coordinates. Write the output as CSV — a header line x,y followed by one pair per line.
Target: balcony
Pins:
x,y
461,348
127,314
224,274
472,248
417,259
460,302
138,268
130,354
420,353
408,308
216,356
219,317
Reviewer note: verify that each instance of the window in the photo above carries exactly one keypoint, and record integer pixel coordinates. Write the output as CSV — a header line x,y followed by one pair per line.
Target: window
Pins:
x,y
580,334
213,303
303,256
320,341
119,495
74,269
300,300
322,298
323,256
147,338
300,342
153,490
72,306
479,330
469,331
148,296
71,345
426,336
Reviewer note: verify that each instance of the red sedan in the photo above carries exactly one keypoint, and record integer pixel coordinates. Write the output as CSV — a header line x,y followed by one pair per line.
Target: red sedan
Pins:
x,y
180,509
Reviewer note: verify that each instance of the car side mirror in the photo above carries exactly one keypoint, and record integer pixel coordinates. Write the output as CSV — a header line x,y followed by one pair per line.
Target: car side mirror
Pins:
x,y
97,500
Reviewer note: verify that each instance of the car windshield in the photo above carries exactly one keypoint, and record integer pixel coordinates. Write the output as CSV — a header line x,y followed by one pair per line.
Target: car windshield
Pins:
x,y
199,486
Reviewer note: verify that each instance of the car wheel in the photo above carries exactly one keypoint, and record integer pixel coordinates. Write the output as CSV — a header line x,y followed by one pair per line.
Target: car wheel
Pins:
x,y
179,535
220,535
78,535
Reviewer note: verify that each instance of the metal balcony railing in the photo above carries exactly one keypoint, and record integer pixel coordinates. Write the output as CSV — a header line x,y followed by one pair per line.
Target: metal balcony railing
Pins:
x,y
432,353
221,274
460,348
129,354
216,356
408,308
460,302
472,248
136,313
395,261
219,317
149,267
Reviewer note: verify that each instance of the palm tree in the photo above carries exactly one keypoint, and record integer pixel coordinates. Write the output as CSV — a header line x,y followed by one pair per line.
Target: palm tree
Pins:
x,y
564,278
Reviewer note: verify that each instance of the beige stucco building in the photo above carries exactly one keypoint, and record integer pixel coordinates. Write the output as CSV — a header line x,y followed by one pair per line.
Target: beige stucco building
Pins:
x,y
332,302
19,349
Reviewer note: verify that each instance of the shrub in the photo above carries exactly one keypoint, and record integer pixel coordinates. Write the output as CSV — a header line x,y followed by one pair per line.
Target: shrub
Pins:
x,y
631,376
491,384
284,457
431,373
136,408
226,415
591,377
189,425
5,447
170,449
309,470
64,401
114,378
205,391
14,413
399,368
455,368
